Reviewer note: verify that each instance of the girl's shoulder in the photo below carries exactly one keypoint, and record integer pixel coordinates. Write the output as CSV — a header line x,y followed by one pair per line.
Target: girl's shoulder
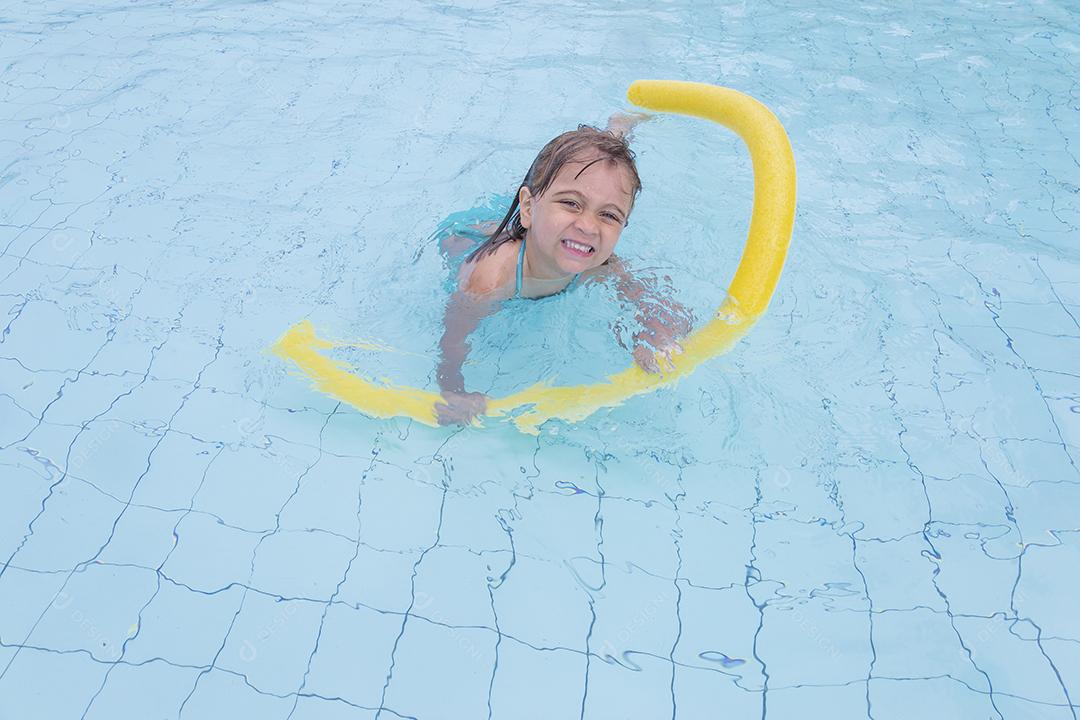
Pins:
x,y
492,275
610,269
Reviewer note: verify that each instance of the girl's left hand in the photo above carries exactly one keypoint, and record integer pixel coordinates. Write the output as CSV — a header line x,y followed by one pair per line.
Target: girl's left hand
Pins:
x,y
623,123
663,340
646,358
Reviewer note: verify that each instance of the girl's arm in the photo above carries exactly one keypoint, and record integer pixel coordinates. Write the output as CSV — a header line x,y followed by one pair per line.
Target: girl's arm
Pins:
x,y
664,320
463,316
464,312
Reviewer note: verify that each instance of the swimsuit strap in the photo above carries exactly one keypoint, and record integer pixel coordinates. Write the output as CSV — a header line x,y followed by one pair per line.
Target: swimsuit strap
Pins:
x,y
521,261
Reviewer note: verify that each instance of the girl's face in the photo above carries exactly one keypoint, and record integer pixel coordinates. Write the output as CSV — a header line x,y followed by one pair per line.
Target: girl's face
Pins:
x,y
576,222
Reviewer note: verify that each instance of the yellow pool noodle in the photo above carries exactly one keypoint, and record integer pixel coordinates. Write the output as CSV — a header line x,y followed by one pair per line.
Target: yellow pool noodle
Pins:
x,y
748,296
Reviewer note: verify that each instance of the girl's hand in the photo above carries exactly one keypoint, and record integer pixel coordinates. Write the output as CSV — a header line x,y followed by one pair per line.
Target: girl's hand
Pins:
x,y
623,123
460,407
663,320
657,341
646,357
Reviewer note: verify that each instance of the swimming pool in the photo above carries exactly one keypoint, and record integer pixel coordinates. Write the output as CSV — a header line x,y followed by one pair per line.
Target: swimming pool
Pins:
x,y
869,508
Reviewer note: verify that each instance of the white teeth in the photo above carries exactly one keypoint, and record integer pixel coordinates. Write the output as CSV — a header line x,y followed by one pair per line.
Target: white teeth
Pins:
x,y
577,246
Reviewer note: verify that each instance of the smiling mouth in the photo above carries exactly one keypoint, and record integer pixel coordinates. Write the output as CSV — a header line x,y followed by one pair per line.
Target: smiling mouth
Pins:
x,y
578,248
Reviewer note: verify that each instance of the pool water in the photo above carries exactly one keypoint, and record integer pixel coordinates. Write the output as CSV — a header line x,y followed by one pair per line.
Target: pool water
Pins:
x,y
869,508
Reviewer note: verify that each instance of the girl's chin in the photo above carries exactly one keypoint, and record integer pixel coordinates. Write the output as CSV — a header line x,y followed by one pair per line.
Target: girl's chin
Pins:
x,y
575,265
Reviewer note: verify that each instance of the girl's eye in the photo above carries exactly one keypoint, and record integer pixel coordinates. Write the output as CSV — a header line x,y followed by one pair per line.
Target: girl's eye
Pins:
x,y
609,216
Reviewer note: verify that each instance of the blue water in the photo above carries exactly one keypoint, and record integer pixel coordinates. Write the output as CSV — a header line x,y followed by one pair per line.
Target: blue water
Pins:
x,y
869,508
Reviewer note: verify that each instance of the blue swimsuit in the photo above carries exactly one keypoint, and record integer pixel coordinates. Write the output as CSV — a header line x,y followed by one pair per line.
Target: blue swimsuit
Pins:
x,y
521,262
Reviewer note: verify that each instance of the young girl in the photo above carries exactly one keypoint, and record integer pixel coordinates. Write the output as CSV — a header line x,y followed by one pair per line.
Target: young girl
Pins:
x,y
560,231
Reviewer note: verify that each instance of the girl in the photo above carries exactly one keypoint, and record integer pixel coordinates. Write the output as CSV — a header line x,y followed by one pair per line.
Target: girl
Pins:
x,y
560,231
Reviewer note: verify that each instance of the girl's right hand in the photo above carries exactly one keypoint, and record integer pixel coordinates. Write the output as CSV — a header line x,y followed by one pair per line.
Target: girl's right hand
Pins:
x,y
460,407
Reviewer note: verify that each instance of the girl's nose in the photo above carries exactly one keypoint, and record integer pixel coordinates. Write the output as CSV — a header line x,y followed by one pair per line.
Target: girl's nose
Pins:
x,y
588,225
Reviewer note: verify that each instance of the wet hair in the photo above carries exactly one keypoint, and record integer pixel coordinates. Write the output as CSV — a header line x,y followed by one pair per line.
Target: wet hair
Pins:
x,y
568,147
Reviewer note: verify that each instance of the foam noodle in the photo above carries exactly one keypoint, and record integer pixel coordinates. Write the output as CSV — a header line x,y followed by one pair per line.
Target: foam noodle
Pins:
x,y
747,298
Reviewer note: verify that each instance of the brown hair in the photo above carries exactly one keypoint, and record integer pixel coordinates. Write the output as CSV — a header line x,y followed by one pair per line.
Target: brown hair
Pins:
x,y
563,149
